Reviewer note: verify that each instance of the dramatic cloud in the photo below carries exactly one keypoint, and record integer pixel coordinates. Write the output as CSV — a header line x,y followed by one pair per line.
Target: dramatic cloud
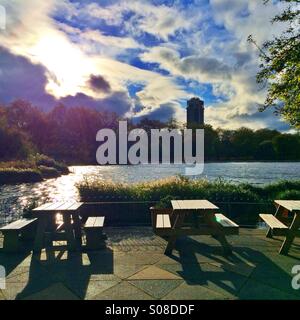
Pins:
x,y
139,58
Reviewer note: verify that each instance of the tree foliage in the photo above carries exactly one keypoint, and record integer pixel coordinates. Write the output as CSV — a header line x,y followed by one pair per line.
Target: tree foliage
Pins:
x,y
69,134
280,68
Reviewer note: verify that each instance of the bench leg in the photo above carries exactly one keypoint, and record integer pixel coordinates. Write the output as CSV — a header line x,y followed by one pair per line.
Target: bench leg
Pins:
x,y
11,242
178,221
40,234
29,233
224,243
95,239
290,235
72,245
218,233
276,215
77,227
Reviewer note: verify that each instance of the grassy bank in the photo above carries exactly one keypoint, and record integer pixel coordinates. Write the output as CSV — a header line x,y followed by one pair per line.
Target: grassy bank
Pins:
x,y
184,188
241,202
36,168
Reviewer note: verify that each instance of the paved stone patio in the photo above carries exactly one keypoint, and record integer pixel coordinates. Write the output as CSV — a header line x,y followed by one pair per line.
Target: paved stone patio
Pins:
x,y
134,267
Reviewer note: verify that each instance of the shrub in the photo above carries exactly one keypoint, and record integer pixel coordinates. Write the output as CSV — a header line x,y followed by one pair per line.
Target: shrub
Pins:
x,y
289,195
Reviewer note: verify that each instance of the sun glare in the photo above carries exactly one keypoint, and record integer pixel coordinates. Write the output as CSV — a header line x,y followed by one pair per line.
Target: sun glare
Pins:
x,y
68,68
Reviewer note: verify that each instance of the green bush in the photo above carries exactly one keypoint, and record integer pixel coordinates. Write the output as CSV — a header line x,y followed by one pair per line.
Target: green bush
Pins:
x,y
289,195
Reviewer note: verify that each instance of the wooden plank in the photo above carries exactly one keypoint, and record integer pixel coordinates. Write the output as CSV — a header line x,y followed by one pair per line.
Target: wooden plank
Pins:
x,y
90,222
278,228
64,206
195,205
291,205
18,225
224,221
50,206
43,206
99,222
94,222
175,205
166,220
159,221
75,206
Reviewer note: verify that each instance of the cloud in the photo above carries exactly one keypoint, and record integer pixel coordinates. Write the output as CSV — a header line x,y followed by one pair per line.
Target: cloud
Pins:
x,y
34,34
93,52
98,83
136,16
203,69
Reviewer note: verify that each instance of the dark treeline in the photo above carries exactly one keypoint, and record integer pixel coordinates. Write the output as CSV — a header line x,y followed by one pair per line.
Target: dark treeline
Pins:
x,y
69,134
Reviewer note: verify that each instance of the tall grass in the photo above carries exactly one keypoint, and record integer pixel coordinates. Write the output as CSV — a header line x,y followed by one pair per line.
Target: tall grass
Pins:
x,y
184,188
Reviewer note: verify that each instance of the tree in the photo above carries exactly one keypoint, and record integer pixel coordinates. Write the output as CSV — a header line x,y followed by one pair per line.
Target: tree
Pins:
x,y
287,146
280,68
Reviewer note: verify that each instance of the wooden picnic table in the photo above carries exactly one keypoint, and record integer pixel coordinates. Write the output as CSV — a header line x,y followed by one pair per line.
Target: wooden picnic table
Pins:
x,y
204,209
71,226
283,207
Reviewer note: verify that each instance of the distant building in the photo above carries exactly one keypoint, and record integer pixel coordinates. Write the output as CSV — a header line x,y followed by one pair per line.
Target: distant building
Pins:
x,y
195,112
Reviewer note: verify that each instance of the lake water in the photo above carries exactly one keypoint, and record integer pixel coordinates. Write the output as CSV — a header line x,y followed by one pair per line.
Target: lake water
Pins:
x,y
13,198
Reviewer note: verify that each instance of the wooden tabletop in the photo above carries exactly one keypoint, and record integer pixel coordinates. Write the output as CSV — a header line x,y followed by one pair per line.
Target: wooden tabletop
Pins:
x,y
291,205
193,205
58,207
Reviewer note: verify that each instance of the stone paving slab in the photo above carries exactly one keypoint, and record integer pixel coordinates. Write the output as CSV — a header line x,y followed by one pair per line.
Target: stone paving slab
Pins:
x,y
123,291
156,288
133,266
56,291
193,292
254,290
154,273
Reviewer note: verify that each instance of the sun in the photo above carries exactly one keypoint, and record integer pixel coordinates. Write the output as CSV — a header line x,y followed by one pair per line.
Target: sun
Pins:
x,y
67,66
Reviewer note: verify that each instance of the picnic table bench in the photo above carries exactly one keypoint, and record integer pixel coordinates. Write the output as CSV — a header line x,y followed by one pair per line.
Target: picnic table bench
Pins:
x,y
94,233
69,230
15,231
171,223
276,224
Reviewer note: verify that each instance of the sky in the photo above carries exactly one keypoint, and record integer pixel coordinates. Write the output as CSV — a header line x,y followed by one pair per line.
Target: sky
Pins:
x,y
141,58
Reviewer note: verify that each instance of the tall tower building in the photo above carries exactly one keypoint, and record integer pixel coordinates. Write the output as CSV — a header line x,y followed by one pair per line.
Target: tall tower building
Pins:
x,y
195,112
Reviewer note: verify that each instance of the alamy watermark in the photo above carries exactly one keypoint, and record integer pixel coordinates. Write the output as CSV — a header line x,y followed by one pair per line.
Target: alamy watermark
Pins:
x,y
160,148
296,278
2,278
2,18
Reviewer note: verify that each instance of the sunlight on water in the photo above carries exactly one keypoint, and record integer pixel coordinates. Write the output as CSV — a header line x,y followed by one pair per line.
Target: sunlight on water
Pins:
x,y
13,198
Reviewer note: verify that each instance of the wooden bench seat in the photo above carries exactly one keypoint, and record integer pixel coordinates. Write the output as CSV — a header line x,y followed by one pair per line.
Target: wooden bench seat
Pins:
x,y
229,226
277,227
163,221
12,232
95,239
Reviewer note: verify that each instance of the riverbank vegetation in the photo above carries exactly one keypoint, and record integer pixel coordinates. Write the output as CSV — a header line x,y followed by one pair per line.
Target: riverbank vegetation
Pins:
x,y
69,135
34,169
184,188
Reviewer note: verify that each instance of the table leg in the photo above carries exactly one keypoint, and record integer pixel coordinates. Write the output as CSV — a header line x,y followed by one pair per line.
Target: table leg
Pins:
x,y
178,220
77,227
290,235
40,233
218,233
69,233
